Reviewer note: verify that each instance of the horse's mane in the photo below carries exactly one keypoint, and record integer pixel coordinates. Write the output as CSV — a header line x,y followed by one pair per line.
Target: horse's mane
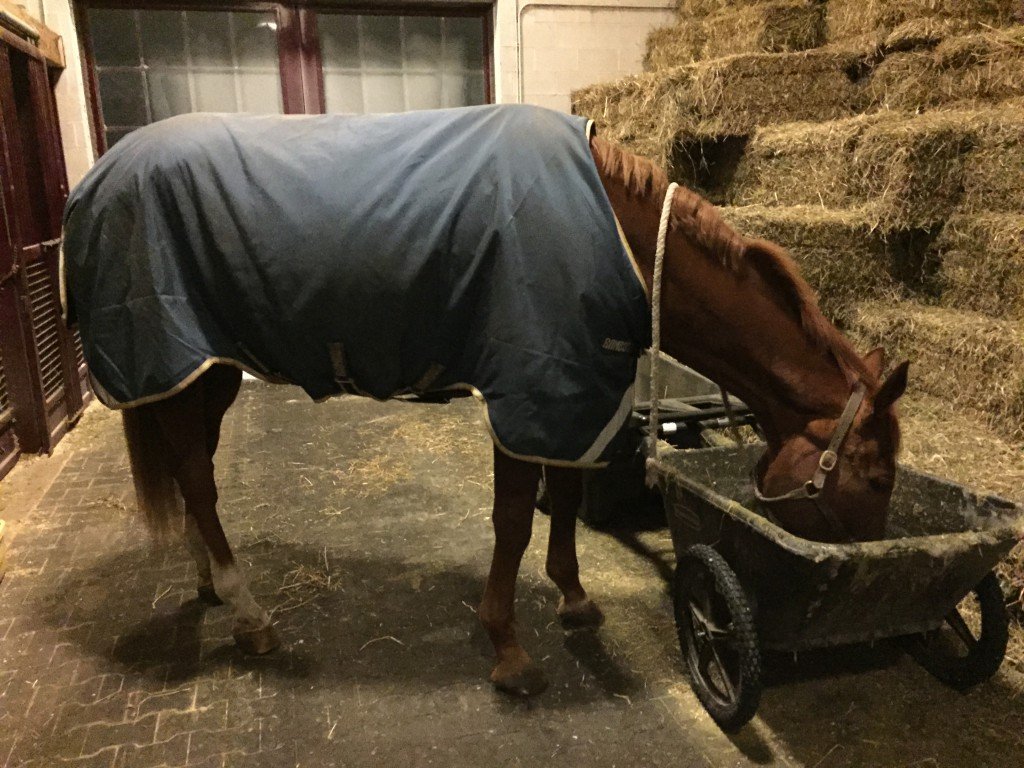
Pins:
x,y
701,222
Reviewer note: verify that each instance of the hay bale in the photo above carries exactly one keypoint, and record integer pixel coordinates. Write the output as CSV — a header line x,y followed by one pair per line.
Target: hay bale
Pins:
x,y
852,18
959,444
736,94
843,258
965,71
800,164
912,168
993,179
908,167
725,96
982,264
643,112
925,32
696,8
967,359
675,45
774,26
784,25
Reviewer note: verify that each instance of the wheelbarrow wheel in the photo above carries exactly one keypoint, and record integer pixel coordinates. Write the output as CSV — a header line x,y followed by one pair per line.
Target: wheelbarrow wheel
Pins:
x,y
970,646
717,637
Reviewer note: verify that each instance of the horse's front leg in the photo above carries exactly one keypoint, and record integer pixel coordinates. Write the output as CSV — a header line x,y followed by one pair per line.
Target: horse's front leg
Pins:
x,y
565,492
515,492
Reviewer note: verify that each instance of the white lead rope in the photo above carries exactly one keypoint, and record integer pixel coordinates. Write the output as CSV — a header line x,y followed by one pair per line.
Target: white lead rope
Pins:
x,y
659,260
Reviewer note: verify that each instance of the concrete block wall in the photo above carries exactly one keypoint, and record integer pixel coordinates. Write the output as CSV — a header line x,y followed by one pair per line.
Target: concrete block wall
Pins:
x,y
561,46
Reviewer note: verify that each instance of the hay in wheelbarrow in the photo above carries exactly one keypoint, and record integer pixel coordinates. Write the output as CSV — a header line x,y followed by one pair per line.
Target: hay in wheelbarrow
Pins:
x,y
968,359
982,264
769,27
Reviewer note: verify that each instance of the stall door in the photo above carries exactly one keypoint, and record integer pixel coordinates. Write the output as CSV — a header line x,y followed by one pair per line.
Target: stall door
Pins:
x,y
42,384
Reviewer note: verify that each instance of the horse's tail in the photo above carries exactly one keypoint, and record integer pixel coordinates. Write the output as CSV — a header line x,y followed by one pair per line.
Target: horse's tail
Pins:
x,y
155,490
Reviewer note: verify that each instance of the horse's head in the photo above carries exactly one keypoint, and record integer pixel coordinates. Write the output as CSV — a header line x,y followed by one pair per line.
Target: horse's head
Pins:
x,y
844,496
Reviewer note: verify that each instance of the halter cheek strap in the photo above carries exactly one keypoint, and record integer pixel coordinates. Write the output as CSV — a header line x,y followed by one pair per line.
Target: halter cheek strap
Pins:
x,y
828,460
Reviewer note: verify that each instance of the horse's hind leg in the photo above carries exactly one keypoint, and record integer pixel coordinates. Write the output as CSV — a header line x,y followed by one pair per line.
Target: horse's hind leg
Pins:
x,y
515,492
190,422
221,385
565,491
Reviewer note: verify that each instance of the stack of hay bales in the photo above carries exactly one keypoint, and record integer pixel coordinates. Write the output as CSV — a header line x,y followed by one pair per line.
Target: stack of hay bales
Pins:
x,y
881,142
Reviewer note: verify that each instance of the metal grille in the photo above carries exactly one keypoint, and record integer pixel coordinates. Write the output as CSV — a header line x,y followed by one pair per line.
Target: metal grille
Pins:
x,y
5,398
76,340
44,326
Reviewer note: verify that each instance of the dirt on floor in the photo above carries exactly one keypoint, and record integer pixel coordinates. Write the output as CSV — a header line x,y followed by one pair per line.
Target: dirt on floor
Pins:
x,y
365,529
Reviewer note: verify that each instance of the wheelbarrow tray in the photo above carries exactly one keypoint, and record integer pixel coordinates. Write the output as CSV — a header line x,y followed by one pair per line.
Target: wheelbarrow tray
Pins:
x,y
941,540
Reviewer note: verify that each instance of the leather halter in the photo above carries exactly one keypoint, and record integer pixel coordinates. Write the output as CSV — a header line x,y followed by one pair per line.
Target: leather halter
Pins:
x,y
811,490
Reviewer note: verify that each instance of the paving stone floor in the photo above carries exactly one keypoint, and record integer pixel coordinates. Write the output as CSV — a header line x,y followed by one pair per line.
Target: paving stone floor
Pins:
x,y
365,529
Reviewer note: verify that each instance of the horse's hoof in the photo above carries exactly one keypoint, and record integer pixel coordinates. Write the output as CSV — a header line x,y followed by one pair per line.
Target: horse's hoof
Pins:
x,y
580,615
256,642
208,595
527,681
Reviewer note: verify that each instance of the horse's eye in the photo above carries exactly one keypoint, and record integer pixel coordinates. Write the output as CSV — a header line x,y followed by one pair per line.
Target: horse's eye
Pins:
x,y
878,484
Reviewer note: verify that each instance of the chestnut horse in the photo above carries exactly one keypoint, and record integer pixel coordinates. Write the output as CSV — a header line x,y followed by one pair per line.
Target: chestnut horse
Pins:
x,y
734,309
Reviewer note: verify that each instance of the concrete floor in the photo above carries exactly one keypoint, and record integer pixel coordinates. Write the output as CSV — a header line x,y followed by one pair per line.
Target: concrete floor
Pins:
x,y
365,528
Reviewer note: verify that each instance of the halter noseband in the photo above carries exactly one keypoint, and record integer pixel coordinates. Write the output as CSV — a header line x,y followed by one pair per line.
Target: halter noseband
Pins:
x,y
811,490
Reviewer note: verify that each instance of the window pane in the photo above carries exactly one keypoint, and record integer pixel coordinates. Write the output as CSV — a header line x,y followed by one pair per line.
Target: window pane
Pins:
x,y
114,135
114,40
255,39
168,93
151,64
209,39
381,42
422,42
460,90
383,93
124,97
423,91
339,40
215,91
463,43
391,63
344,92
261,92
163,37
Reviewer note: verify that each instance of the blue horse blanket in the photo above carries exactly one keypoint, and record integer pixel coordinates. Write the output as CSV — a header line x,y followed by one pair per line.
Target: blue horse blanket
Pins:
x,y
382,255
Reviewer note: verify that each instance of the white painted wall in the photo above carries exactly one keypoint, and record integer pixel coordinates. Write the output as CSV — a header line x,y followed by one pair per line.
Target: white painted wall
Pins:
x,y
70,93
542,51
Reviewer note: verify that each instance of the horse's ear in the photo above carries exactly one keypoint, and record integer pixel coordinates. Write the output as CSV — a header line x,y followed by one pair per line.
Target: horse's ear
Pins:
x,y
875,361
892,388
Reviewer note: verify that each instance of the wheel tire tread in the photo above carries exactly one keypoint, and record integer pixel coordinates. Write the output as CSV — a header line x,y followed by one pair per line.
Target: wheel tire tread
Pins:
x,y
984,660
744,632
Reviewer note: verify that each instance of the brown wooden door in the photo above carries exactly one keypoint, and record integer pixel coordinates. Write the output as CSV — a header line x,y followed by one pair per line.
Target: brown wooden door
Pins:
x,y
41,364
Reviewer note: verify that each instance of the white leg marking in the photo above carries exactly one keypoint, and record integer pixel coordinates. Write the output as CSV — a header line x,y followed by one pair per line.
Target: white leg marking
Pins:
x,y
231,588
